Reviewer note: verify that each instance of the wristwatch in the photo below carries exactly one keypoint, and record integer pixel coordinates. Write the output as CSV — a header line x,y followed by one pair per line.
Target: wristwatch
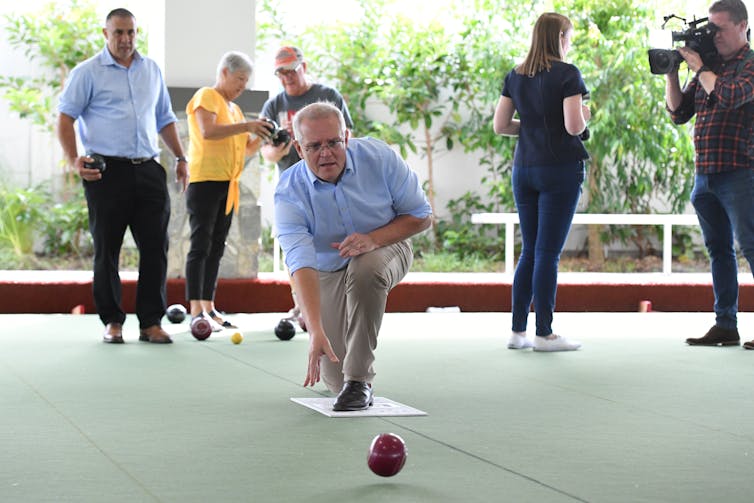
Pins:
x,y
181,159
703,68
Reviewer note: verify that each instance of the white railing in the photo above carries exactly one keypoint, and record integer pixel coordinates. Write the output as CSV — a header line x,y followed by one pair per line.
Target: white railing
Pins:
x,y
666,220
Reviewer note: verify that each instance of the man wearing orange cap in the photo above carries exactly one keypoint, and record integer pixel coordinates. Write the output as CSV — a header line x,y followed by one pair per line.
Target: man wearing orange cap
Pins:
x,y
298,91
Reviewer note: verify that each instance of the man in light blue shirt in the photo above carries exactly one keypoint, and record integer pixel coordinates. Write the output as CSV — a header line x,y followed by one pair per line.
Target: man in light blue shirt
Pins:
x,y
120,103
344,215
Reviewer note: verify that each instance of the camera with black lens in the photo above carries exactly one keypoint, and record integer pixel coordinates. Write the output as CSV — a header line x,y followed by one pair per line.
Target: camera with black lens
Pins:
x,y
278,135
698,36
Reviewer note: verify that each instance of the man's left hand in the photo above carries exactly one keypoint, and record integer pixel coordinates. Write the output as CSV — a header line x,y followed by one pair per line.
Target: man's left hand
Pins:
x,y
354,245
693,60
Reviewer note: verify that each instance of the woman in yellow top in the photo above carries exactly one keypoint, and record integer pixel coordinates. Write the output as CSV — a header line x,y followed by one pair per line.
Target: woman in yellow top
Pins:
x,y
220,139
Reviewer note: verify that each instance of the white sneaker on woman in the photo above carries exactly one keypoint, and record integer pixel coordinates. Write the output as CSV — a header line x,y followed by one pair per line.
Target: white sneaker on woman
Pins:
x,y
216,327
557,344
518,340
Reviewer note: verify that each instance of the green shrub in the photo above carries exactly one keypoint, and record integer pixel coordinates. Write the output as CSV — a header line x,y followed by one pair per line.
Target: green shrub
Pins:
x,y
65,228
21,211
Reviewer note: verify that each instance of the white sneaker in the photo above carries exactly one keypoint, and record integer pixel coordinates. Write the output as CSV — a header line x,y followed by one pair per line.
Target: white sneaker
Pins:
x,y
293,313
216,327
557,344
518,340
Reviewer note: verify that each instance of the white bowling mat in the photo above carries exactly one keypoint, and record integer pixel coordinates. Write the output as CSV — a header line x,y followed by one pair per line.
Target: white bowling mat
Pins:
x,y
381,407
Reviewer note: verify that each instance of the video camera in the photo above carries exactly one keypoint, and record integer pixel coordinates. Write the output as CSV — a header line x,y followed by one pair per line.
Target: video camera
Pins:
x,y
698,36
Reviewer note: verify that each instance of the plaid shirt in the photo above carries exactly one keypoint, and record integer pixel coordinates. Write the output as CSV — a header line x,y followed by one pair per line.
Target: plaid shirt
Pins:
x,y
723,129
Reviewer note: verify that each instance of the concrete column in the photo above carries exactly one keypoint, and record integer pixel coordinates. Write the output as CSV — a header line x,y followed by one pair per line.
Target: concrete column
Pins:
x,y
196,34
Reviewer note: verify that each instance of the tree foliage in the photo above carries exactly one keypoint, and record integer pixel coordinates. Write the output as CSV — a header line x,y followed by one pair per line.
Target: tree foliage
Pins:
x,y
639,159
59,36
638,156
439,85
493,36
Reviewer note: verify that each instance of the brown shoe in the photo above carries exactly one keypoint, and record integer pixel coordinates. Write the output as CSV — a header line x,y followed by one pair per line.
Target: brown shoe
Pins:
x,y
749,345
717,336
154,334
113,333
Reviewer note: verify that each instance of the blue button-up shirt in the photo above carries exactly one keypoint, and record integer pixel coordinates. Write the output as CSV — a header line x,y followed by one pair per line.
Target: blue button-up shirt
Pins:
x,y
119,111
310,214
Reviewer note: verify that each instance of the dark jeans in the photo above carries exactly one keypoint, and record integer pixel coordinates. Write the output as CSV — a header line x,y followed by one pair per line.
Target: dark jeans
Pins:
x,y
724,203
131,196
205,204
546,198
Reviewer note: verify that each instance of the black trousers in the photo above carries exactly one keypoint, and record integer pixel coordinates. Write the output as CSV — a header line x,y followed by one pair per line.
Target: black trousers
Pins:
x,y
205,205
131,196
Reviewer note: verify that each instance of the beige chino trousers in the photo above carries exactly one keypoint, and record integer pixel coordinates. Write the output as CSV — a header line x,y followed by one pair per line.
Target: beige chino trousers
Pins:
x,y
353,302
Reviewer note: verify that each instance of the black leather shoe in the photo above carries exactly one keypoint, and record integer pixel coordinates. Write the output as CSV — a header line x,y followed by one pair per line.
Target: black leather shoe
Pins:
x,y
113,333
717,336
355,395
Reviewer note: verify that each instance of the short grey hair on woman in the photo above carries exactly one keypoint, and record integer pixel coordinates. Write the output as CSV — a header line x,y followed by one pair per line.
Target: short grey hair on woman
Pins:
x,y
318,110
235,61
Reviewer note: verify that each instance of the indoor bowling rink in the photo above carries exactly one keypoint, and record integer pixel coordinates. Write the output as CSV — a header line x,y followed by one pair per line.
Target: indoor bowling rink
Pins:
x,y
635,416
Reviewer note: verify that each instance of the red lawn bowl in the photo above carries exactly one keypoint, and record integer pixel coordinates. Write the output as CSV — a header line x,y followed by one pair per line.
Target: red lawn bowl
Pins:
x,y
387,454
200,328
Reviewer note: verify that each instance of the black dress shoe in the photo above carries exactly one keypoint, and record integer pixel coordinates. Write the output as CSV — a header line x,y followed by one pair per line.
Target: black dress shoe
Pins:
x,y
113,333
717,336
355,395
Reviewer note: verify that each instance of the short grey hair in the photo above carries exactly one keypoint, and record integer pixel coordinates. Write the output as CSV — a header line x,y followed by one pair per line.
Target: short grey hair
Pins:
x,y
235,61
313,111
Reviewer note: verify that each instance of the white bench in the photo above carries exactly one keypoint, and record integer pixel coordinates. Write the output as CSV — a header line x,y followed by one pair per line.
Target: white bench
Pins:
x,y
666,220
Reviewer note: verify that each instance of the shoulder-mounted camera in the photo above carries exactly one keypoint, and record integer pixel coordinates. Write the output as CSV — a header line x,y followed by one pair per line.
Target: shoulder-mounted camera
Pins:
x,y
698,36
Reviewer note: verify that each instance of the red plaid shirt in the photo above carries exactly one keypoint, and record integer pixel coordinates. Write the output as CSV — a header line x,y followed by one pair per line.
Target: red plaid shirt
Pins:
x,y
723,129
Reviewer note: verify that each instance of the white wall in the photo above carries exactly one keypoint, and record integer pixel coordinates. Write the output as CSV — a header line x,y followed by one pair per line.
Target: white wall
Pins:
x,y
26,152
198,33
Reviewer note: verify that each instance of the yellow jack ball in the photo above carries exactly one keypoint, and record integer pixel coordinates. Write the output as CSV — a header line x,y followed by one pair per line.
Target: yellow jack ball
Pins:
x,y
236,338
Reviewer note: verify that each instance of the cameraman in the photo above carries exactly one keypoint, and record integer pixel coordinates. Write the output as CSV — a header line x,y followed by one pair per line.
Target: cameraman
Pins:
x,y
298,92
720,94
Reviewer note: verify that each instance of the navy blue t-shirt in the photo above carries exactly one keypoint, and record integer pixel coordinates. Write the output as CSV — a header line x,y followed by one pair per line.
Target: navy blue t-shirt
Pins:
x,y
543,138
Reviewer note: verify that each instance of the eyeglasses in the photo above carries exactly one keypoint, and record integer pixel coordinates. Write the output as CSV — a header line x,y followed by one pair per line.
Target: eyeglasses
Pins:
x,y
316,148
287,73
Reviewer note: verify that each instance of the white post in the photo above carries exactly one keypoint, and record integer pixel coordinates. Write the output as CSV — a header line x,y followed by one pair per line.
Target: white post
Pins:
x,y
509,235
667,248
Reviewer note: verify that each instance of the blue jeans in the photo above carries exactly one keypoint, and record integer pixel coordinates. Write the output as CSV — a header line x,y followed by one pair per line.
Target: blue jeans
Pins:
x,y
724,203
546,198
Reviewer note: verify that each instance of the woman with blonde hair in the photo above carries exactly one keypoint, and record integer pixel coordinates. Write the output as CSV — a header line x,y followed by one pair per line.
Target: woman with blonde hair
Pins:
x,y
548,170
220,139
